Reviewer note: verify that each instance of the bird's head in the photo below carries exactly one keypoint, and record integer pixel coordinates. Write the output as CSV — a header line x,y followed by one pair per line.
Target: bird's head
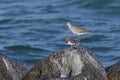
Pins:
x,y
67,38
68,24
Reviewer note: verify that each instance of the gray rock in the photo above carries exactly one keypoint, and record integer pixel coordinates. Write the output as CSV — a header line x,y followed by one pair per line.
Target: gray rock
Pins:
x,y
114,71
68,64
10,70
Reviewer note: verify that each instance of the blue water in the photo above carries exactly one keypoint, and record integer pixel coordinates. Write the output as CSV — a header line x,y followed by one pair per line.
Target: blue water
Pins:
x,y
31,30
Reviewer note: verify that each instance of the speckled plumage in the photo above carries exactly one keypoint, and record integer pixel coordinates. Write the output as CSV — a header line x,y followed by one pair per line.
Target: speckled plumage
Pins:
x,y
70,41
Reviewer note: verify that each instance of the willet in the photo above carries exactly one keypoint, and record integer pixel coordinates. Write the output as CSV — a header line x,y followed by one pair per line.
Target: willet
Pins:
x,y
77,30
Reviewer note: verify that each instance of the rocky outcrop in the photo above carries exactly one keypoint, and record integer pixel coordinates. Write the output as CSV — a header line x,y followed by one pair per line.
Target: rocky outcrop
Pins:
x,y
113,72
10,70
69,64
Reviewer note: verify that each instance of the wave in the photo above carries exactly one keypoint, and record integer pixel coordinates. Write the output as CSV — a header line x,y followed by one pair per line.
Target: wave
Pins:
x,y
23,48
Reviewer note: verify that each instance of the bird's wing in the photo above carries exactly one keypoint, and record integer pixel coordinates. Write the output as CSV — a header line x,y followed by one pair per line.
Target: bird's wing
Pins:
x,y
80,30
73,41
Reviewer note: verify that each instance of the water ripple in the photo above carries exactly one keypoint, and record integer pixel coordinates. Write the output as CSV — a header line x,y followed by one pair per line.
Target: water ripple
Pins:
x,y
23,48
29,32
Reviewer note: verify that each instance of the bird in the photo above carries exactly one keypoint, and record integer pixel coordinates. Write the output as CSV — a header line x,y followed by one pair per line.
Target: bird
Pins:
x,y
77,30
70,41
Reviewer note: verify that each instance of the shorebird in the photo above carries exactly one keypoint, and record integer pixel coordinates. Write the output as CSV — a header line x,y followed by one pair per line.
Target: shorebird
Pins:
x,y
70,41
77,30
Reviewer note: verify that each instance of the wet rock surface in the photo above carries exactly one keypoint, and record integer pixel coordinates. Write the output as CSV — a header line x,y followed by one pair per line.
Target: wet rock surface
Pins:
x,y
113,71
10,70
69,64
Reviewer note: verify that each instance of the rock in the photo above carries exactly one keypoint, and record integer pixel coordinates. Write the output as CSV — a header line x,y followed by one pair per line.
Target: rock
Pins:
x,y
69,64
10,70
113,71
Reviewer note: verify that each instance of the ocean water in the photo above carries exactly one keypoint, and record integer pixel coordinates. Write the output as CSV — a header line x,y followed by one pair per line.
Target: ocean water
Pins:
x,y
31,30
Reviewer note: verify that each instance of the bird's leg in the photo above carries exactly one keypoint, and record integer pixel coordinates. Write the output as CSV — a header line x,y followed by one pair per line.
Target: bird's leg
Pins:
x,y
78,40
71,46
